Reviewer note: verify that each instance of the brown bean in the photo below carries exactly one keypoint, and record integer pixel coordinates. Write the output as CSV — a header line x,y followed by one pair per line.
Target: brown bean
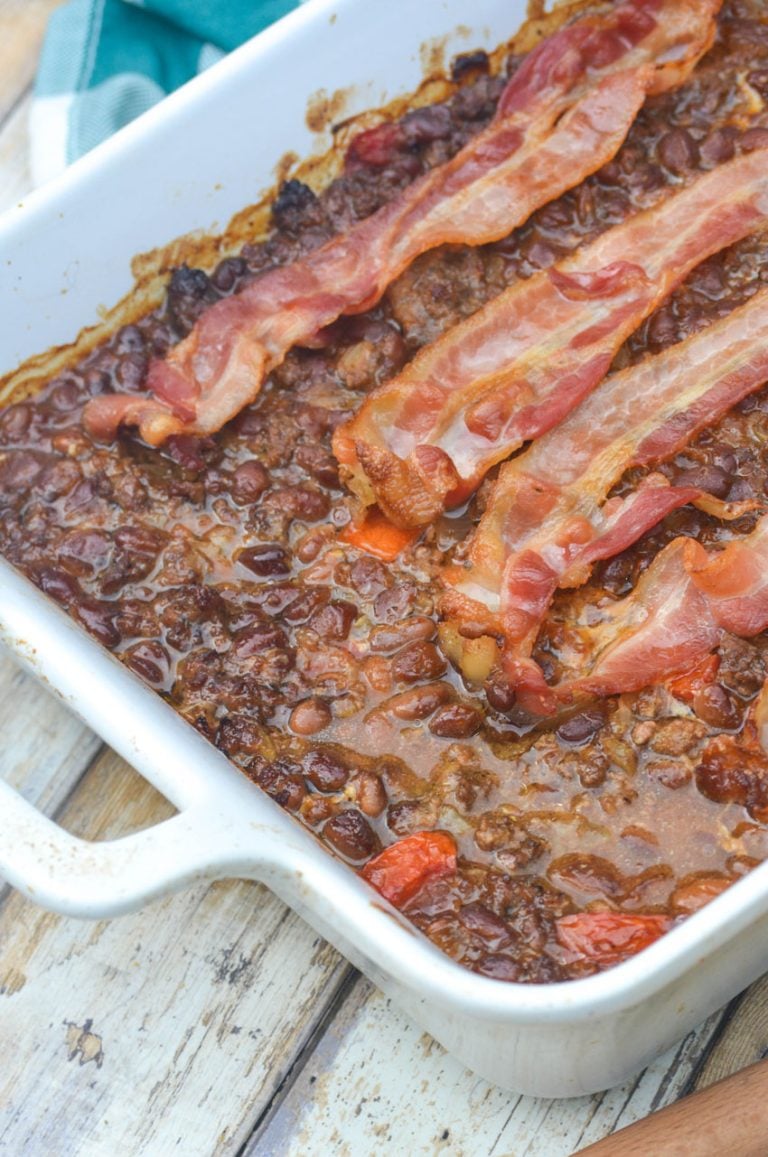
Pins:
x,y
718,146
370,794
456,721
678,151
265,560
391,638
499,693
752,139
714,705
579,729
334,621
352,836
282,780
324,771
419,702
249,481
150,660
418,661
310,716
712,479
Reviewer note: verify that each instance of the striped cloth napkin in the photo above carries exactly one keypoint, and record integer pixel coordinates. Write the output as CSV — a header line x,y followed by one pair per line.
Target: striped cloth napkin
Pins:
x,y
106,61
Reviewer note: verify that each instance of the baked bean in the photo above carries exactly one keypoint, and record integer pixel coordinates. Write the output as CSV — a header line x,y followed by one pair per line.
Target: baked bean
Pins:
x,y
352,836
325,771
391,638
310,716
283,781
249,481
265,560
456,721
580,728
150,660
334,620
369,793
678,151
419,702
418,661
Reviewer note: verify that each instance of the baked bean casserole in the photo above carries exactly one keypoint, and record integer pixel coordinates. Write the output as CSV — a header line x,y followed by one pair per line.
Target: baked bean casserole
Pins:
x,y
441,509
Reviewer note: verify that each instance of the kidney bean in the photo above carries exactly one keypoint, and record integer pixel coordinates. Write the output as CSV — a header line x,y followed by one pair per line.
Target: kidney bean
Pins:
x,y
418,661
249,481
499,693
482,922
391,638
265,560
83,552
352,836
456,721
306,602
368,577
334,620
419,702
325,771
59,585
257,638
150,660
394,603
579,729
99,617
369,793
678,151
310,716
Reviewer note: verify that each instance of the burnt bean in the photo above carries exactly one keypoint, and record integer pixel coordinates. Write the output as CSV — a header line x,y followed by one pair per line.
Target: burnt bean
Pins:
x,y
352,836
325,771
678,151
456,721
265,560
282,780
334,620
468,62
249,481
309,717
418,661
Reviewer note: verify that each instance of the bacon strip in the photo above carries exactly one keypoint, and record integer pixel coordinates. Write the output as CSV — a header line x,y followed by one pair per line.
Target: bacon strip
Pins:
x,y
678,612
547,520
563,114
423,441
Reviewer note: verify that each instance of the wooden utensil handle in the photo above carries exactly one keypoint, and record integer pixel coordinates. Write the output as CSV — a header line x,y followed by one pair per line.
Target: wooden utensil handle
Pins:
x,y
728,1119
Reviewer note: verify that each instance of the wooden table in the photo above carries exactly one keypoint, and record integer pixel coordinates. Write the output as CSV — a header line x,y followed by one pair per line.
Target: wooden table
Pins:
x,y
216,1022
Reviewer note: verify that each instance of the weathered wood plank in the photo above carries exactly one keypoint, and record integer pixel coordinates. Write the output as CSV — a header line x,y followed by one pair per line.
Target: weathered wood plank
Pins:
x,y
743,1040
22,25
167,1031
375,1083
45,749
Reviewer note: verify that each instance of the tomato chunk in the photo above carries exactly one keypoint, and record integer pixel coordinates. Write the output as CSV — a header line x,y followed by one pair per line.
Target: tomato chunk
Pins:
x,y
607,938
403,868
378,536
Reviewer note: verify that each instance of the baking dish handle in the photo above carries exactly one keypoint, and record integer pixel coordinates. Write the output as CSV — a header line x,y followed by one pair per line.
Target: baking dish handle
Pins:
x,y
96,879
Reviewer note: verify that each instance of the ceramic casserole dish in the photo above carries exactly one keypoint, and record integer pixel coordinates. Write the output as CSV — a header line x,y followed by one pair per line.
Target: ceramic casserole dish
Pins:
x,y
66,254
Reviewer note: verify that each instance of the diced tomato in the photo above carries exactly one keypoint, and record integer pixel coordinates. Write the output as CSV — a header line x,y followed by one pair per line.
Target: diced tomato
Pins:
x,y
686,685
403,868
607,938
378,536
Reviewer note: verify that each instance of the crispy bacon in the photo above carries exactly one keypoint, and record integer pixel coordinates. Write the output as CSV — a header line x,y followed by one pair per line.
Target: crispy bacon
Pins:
x,y
676,615
423,441
548,521
563,114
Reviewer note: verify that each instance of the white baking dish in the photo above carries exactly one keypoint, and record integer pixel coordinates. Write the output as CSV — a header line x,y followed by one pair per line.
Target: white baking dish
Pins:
x,y
189,164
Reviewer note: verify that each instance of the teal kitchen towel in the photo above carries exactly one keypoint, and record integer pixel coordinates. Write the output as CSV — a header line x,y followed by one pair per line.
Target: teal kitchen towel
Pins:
x,y
105,61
